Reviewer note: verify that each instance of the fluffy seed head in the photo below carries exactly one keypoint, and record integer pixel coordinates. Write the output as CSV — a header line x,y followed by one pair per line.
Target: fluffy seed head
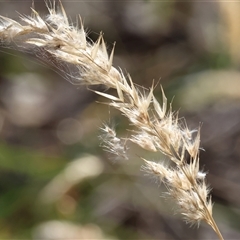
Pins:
x,y
156,128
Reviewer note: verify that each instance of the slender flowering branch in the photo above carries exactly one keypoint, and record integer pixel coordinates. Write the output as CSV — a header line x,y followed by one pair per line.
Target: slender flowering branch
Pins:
x,y
156,128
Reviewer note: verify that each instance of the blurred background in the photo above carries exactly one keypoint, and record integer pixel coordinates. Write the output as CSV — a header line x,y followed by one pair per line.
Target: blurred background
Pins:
x,y
57,182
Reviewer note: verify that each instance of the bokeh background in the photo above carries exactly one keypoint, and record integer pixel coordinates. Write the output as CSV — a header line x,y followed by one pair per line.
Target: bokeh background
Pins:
x,y
56,182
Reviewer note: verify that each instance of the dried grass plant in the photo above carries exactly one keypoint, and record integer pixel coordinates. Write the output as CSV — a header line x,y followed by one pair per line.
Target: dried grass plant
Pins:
x,y
156,127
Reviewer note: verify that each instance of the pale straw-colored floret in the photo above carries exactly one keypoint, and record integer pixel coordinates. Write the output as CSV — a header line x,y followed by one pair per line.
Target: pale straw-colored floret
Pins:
x,y
156,128
113,144
145,141
186,188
